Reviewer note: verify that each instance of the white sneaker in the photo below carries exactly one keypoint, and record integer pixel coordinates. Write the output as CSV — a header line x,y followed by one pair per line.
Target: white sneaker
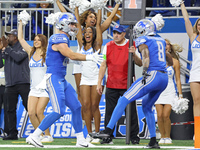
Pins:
x,y
168,141
35,141
83,143
88,138
47,139
162,141
95,141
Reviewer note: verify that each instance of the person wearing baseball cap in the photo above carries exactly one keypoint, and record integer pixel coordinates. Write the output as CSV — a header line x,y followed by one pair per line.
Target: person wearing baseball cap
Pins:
x,y
116,62
17,79
13,32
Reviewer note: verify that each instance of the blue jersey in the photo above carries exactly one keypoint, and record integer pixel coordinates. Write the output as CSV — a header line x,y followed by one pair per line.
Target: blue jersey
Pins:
x,y
55,61
156,46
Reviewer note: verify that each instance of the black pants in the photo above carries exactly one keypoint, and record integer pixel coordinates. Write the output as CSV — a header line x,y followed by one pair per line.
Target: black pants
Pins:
x,y
112,96
2,101
11,98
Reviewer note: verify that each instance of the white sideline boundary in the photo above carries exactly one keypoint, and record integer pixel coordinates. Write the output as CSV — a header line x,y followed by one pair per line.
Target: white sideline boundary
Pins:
x,y
113,147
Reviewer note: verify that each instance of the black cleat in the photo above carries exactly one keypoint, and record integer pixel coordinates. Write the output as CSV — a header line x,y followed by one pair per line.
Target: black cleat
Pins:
x,y
100,135
155,146
107,141
135,141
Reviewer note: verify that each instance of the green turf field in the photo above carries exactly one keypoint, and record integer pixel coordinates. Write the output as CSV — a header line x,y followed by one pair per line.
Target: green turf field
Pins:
x,y
69,144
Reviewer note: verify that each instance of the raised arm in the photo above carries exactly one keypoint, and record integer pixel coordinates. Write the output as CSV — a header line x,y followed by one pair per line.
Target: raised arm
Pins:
x,y
21,39
188,24
60,6
176,66
79,36
98,31
108,21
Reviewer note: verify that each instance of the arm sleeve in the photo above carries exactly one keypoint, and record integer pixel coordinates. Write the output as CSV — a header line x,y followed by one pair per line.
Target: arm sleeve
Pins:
x,y
59,38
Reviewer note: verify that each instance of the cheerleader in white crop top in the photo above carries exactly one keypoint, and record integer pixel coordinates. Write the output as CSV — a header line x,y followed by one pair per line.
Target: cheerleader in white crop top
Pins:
x,y
37,72
89,42
193,33
38,99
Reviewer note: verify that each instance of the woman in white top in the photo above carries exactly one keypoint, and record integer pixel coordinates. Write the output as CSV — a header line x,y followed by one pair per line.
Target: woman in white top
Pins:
x,y
193,33
164,102
38,99
89,42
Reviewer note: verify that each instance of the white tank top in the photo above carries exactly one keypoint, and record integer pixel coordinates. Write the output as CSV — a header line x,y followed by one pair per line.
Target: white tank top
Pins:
x,y
195,70
89,69
37,71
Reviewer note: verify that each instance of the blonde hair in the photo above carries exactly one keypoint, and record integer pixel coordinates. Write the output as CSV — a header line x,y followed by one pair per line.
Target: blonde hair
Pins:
x,y
175,49
195,27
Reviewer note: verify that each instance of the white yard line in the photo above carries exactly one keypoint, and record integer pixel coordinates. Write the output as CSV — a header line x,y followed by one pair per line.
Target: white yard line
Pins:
x,y
109,146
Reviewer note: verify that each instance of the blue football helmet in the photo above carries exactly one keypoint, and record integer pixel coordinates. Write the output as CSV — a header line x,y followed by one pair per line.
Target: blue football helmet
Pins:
x,y
144,27
64,22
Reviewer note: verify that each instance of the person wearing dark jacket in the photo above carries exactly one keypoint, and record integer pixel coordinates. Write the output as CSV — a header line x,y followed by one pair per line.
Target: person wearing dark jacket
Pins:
x,y
17,78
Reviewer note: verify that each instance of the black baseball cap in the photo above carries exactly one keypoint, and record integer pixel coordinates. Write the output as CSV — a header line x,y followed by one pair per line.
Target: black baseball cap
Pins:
x,y
13,32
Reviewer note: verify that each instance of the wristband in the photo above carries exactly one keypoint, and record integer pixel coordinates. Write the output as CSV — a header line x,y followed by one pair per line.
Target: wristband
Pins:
x,y
180,95
182,2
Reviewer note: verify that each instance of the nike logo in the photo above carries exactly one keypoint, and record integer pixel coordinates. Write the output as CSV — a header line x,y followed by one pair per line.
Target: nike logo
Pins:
x,y
83,145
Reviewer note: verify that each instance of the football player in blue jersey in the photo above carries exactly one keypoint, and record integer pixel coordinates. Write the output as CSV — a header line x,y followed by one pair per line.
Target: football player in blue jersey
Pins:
x,y
60,91
153,81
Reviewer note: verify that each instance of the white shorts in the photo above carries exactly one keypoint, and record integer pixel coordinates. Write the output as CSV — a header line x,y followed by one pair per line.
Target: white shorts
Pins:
x,y
38,93
165,99
86,81
76,69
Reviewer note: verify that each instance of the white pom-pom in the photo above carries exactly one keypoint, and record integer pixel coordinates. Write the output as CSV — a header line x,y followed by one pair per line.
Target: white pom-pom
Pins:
x,y
76,3
24,17
118,1
176,2
50,1
179,106
85,5
51,19
98,4
159,22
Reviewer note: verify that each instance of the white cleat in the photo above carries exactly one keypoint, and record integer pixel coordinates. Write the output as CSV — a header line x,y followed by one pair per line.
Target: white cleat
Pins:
x,y
35,141
47,139
84,143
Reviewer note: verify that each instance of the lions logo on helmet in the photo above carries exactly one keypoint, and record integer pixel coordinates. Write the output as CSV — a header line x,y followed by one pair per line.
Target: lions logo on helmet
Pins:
x,y
64,21
144,27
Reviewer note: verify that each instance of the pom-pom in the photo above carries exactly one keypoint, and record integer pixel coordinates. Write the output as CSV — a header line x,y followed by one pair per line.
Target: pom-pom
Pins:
x,y
24,17
159,22
98,4
176,3
82,5
50,1
179,106
51,19
85,5
118,1
76,3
